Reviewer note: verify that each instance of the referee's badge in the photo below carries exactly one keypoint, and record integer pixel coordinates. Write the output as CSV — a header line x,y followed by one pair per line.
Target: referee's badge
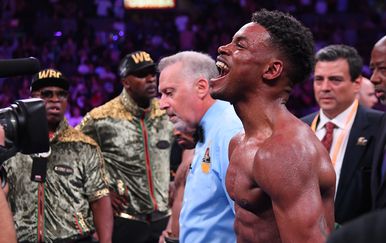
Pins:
x,y
205,163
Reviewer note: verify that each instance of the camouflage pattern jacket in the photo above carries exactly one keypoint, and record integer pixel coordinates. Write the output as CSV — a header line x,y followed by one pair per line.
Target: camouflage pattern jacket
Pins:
x,y
136,146
59,208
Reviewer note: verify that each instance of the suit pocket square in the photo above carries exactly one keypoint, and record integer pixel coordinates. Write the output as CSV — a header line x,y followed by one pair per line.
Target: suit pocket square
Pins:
x,y
362,141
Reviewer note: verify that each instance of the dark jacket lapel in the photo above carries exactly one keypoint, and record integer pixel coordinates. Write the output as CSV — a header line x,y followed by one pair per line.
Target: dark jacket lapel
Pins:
x,y
353,154
378,187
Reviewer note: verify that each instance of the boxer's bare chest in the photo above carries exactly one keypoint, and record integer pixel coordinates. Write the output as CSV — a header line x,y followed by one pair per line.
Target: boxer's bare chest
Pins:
x,y
240,182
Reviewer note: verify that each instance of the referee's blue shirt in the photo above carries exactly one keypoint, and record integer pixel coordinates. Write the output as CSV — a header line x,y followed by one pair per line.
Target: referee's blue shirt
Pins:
x,y
207,214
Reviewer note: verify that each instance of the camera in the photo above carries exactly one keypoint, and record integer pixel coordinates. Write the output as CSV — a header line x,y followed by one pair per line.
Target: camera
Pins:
x,y
25,128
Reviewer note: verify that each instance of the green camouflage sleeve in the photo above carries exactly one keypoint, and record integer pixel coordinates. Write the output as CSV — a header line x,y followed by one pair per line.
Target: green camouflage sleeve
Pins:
x,y
19,166
96,181
87,127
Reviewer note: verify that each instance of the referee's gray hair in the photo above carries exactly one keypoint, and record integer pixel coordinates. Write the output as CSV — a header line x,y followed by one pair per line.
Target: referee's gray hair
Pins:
x,y
195,64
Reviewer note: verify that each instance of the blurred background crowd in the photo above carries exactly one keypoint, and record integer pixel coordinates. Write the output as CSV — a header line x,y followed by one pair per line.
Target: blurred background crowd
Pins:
x,y
86,39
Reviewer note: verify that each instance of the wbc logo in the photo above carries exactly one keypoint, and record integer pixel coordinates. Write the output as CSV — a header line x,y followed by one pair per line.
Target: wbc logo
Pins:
x,y
49,73
141,57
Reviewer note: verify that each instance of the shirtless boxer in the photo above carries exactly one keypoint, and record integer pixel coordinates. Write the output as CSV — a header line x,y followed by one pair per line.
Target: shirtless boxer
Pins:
x,y
280,175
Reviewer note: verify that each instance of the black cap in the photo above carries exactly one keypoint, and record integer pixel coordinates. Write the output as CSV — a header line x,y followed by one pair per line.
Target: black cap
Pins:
x,y
49,77
134,62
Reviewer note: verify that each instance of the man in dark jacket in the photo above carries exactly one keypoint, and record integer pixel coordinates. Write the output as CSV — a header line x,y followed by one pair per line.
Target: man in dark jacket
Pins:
x,y
350,141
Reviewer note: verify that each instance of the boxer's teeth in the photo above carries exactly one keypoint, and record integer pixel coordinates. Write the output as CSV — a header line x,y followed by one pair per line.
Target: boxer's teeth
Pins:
x,y
223,68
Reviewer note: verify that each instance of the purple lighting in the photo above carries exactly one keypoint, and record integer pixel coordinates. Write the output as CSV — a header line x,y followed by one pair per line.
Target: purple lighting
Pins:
x,y
58,34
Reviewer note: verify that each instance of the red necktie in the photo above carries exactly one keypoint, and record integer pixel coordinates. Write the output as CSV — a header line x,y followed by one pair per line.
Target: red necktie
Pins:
x,y
327,139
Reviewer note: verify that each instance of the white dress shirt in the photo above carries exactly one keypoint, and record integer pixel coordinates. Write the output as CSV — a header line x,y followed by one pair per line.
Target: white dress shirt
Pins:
x,y
342,125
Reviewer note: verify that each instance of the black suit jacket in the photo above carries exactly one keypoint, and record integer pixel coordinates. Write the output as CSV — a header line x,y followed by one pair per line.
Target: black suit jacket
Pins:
x,y
369,228
353,196
378,188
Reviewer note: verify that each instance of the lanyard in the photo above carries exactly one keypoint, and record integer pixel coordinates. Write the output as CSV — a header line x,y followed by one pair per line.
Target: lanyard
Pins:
x,y
339,141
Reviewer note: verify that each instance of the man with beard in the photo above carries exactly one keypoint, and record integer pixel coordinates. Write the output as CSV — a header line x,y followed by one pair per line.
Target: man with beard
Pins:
x,y
58,208
135,138
378,78
279,176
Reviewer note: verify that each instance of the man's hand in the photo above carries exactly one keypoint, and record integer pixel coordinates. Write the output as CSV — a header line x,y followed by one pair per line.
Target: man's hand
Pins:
x,y
118,202
103,219
165,233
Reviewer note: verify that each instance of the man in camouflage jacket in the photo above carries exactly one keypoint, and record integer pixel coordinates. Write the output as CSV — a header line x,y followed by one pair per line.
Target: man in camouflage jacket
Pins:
x,y
135,138
58,210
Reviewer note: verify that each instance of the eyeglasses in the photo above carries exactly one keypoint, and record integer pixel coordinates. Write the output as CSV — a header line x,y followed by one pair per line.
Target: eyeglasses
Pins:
x,y
49,94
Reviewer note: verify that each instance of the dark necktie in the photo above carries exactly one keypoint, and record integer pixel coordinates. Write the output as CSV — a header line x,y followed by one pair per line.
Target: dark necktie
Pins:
x,y
327,139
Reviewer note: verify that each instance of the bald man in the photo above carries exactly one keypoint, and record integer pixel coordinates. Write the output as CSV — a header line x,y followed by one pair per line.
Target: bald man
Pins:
x,y
366,93
378,78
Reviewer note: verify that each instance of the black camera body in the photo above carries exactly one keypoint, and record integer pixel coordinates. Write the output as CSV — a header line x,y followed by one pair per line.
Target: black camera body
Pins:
x,y
25,127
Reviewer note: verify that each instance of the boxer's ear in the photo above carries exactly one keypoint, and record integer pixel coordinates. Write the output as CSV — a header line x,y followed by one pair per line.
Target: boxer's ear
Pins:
x,y
273,69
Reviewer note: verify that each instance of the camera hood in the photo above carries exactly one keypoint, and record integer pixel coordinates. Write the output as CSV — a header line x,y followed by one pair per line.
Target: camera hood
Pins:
x,y
25,125
33,126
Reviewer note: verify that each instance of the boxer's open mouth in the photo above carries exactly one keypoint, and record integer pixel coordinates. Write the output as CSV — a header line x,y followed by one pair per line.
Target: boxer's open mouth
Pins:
x,y
223,69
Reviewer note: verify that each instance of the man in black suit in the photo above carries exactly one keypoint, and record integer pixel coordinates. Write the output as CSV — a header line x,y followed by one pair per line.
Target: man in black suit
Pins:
x,y
337,79
378,78
367,228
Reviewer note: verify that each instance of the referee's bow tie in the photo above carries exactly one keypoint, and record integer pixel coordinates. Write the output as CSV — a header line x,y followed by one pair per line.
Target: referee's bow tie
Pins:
x,y
199,134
